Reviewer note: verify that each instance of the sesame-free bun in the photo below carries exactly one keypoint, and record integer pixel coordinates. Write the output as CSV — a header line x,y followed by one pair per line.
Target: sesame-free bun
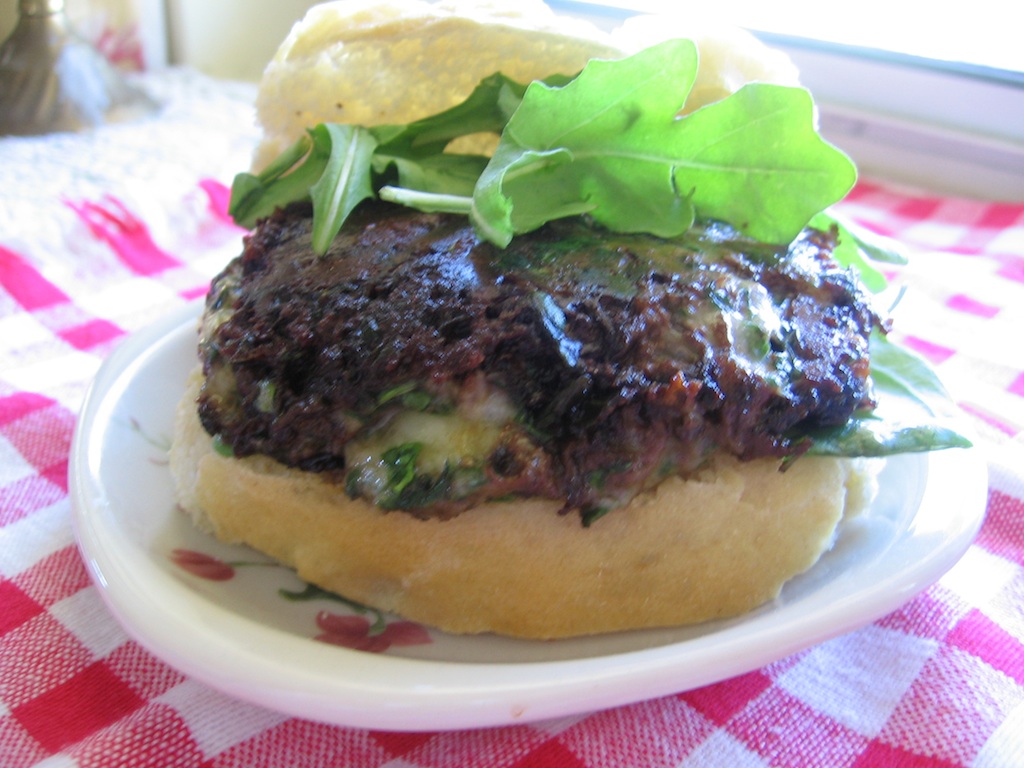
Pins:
x,y
715,545
379,62
371,62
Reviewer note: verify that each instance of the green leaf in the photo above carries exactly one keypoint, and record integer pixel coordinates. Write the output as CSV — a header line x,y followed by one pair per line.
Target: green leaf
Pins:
x,y
592,146
282,182
914,412
452,175
486,110
755,160
331,165
429,202
875,437
875,246
345,181
610,143
417,151
849,253
339,165
898,370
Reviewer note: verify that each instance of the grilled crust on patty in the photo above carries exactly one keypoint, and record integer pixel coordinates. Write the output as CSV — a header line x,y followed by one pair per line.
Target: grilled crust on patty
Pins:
x,y
615,359
716,545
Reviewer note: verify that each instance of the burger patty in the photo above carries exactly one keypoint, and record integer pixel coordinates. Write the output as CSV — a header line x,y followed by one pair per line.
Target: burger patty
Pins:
x,y
428,371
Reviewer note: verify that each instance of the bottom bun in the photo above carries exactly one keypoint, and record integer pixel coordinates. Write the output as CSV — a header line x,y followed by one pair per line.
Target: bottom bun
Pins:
x,y
711,546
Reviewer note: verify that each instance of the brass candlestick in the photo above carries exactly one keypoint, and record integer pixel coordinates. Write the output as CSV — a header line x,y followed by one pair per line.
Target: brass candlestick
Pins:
x,y
52,80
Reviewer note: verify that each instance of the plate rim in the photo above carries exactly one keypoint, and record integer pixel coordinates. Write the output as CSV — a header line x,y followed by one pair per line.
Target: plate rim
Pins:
x,y
439,694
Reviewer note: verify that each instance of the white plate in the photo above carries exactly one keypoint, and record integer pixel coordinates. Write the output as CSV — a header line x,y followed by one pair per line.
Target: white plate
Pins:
x,y
240,636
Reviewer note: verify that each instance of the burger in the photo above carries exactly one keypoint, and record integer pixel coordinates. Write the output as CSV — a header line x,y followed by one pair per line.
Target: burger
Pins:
x,y
539,331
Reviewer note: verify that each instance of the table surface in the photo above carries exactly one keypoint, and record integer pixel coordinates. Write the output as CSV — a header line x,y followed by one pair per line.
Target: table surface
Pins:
x,y
105,232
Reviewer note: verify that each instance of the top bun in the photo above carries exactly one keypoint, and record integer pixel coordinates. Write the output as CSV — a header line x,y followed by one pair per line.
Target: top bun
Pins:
x,y
379,62
730,57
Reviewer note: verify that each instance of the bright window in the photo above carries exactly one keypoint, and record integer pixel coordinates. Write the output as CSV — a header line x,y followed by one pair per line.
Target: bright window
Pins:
x,y
980,35
928,95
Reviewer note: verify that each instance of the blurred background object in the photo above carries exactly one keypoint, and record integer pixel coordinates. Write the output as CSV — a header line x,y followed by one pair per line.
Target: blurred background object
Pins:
x,y
198,33
129,33
52,79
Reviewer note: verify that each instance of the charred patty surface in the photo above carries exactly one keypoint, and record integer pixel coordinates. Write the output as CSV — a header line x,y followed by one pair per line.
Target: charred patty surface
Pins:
x,y
575,364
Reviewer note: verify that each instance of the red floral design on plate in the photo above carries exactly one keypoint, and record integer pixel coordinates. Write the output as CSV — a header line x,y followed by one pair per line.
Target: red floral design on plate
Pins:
x,y
351,631
358,633
202,565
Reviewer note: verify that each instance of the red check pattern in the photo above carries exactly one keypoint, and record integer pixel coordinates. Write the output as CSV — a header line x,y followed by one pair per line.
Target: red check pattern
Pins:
x,y
110,238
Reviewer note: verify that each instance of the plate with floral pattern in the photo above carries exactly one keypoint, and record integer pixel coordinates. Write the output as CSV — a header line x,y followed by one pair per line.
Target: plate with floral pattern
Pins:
x,y
234,619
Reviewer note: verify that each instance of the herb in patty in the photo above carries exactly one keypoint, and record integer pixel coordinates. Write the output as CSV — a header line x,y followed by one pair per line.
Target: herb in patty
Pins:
x,y
394,481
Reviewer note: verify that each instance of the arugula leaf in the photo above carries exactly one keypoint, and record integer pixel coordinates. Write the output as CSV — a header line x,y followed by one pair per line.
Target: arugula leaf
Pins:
x,y
898,370
914,412
486,110
610,144
755,160
591,147
417,151
345,181
849,252
337,166
607,142
449,175
873,436
280,183
875,246
331,165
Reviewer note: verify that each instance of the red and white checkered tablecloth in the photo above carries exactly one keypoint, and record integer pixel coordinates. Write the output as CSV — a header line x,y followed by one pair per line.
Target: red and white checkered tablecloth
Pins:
x,y
104,232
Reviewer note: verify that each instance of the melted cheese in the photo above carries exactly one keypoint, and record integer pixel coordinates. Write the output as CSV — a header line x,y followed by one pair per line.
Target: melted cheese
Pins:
x,y
447,439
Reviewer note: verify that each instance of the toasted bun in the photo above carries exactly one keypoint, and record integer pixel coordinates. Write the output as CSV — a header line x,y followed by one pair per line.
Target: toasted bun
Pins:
x,y
378,62
713,546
